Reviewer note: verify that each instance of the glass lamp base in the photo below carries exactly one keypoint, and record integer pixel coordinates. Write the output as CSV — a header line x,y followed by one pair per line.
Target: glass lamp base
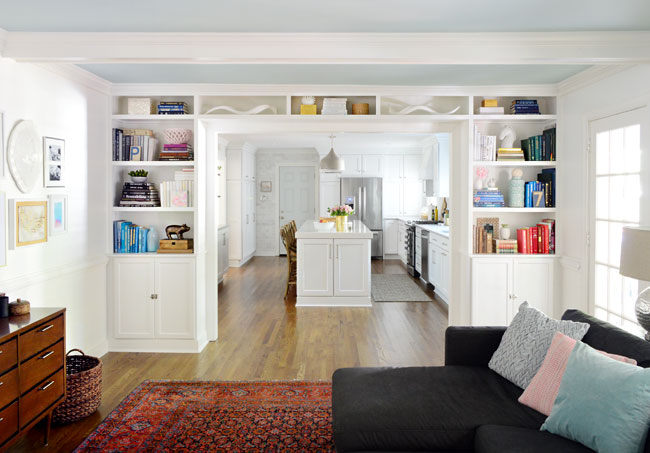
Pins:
x,y
642,308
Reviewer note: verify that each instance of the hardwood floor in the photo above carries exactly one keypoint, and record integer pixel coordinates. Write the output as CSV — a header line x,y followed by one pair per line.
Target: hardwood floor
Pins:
x,y
262,337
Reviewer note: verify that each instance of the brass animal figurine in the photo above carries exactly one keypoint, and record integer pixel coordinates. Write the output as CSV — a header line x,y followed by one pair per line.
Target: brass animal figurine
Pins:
x,y
177,230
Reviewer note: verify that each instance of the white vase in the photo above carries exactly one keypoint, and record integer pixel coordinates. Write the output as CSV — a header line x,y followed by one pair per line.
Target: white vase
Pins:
x,y
505,233
479,184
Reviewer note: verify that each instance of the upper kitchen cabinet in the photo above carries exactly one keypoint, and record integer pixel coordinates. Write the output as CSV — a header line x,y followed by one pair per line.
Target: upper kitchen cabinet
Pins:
x,y
435,166
393,166
353,164
412,163
372,165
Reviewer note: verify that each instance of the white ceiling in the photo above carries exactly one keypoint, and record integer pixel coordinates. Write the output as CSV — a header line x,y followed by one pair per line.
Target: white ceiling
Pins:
x,y
324,16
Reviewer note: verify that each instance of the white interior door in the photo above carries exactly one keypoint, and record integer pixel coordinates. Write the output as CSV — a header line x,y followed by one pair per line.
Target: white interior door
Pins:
x,y
297,192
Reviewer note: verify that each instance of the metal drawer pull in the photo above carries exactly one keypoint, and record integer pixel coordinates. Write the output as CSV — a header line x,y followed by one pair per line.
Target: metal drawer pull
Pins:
x,y
46,328
47,385
2,419
1,382
46,355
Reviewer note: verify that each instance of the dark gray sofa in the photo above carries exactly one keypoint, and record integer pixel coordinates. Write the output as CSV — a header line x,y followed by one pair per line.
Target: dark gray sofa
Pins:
x,y
462,406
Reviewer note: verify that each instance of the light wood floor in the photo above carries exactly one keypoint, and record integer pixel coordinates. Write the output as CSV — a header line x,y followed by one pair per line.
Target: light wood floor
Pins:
x,y
263,338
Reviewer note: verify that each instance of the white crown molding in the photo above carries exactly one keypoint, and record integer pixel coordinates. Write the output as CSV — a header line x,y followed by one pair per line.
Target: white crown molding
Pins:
x,y
78,75
332,48
589,76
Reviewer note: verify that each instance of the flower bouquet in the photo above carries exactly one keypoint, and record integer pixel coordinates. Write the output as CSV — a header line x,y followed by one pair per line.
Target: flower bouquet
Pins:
x,y
341,213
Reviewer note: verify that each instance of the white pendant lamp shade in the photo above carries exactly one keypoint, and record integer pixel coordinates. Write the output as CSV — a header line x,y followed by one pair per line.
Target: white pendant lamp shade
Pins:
x,y
332,162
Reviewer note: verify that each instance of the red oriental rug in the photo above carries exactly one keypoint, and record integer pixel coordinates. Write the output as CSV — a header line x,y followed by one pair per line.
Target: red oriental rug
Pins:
x,y
218,416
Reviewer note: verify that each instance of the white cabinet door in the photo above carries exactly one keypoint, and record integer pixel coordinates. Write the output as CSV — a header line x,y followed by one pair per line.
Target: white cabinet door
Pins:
x,y
175,307
412,164
315,267
491,288
402,241
442,168
249,219
533,283
444,274
330,195
434,262
413,196
223,251
133,287
222,192
372,165
392,197
391,237
393,166
352,267
248,166
352,164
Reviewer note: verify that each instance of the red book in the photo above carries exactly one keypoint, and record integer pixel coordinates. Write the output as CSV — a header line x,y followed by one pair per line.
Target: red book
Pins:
x,y
535,240
521,240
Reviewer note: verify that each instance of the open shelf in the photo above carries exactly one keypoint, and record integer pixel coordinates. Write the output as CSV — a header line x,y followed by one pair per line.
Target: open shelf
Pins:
x,y
153,163
157,209
152,117
508,118
513,255
514,210
526,163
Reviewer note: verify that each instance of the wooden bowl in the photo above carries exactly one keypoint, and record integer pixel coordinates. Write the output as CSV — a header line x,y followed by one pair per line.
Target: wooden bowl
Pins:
x,y
20,307
360,109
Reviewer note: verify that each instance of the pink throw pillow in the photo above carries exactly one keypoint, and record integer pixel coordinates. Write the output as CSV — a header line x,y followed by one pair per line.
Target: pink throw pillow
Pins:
x,y
545,385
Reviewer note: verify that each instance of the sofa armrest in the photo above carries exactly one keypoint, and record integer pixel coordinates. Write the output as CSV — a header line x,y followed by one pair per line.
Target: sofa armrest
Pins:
x,y
471,346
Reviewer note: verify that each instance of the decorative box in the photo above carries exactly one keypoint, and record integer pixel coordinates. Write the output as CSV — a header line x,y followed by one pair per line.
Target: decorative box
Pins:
x,y
176,246
139,106
308,109
360,109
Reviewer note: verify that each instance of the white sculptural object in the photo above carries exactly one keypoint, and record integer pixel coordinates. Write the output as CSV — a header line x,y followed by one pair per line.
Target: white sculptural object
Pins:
x,y
507,137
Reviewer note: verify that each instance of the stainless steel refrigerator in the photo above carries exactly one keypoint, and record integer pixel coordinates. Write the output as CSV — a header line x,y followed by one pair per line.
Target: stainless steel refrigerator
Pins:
x,y
365,197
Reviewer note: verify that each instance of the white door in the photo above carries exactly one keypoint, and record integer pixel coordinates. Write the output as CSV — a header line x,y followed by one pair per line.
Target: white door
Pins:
x,y
391,237
413,196
351,267
249,165
315,267
491,288
412,164
393,166
392,197
330,195
297,192
352,164
249,231
533,283
133,286
175,307
372,165
222,192
444,274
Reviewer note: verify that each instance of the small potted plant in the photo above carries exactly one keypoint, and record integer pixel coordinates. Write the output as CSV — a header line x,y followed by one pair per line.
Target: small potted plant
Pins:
x,y
341,213
139,176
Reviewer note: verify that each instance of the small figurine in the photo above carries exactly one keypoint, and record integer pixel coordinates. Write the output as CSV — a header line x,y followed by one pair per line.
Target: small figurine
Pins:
x,y
177,230
507,137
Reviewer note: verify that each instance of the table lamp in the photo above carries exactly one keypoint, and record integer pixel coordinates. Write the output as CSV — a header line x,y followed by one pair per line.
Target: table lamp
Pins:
x,y
635,263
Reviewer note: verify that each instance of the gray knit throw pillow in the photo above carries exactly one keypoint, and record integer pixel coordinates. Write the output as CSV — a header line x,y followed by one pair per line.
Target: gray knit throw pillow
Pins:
x,y
526,341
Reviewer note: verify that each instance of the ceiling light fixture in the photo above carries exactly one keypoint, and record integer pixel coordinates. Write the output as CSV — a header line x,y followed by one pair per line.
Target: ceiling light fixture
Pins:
x,y
332,163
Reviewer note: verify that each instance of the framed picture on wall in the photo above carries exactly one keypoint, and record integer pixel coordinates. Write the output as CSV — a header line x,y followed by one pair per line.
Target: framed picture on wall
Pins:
x,y
58,215
3,229
28,222
266,186
54,162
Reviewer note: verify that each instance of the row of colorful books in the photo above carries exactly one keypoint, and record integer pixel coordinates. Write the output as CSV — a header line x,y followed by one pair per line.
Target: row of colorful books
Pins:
x,y
177,152
133,145
173,108
488,198
537,239
180,192
129,238
139,195
524,107
540,147
541,193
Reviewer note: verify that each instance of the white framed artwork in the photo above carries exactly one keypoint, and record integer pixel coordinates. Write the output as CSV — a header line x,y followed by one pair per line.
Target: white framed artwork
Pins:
x,y
28,222
3,229
53,162
58,215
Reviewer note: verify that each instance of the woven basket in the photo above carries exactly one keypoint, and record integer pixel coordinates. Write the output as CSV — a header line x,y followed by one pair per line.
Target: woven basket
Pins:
x,y
83,388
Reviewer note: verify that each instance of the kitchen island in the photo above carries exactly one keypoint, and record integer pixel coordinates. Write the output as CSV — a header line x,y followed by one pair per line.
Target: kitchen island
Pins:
x,y
333,267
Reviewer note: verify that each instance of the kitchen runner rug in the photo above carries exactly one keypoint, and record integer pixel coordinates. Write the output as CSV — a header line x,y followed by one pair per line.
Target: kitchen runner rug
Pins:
x,y
218,416
396,288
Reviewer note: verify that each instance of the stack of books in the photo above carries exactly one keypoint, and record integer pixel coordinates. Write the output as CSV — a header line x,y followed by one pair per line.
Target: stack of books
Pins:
x,y
485,146
538,239
541,193
139,195
133,144
488,198
524,107
505,246
334,106
540,147
484,237
181,151
510,155
490,107
180,192
172,108
129,238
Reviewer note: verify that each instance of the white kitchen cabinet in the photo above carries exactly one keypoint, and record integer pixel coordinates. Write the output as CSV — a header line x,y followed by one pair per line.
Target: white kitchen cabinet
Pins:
x,y
222,251
154,298
393,166
444,275
353,164
351,267
315,268
433,263
330,195
391,237
439,265
241,206
222,189
413,197
392,197
500,285
402,241
372,165
412,164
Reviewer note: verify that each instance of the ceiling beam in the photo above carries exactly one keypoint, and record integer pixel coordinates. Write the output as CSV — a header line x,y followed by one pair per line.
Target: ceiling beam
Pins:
x,y
330,48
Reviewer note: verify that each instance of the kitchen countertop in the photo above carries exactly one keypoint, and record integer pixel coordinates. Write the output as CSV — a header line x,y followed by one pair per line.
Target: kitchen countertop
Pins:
x,y
357,230
441,230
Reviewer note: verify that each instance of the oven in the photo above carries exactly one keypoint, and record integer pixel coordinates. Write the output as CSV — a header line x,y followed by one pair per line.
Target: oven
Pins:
x,y
410,251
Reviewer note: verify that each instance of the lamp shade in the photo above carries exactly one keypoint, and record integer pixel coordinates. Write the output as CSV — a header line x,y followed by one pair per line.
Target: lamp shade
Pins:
x,y
635,253
332,162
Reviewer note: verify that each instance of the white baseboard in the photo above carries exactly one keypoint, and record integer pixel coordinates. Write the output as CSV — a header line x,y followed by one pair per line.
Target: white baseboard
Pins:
x,y
240,263
266,253
98,350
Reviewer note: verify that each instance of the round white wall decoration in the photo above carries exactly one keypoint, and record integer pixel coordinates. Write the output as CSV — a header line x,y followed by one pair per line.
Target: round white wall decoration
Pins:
x,y
24,155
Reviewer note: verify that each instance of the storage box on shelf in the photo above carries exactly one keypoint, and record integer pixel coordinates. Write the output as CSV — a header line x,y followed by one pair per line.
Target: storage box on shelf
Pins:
x,y
120,104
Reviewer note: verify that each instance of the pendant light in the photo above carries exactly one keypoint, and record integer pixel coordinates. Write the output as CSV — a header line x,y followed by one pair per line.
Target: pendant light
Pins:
x,y
332,163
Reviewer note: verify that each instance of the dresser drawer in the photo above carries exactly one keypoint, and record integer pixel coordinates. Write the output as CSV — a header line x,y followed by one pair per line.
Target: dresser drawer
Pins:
x,y
41,365
8,422
8,387
41,397
8,355
39,338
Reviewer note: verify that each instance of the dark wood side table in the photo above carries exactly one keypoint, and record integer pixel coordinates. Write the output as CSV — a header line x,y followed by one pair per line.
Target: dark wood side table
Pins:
x,y
32,371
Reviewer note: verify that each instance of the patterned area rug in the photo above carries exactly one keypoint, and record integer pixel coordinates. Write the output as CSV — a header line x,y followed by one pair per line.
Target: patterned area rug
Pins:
x,y
396,288
218,416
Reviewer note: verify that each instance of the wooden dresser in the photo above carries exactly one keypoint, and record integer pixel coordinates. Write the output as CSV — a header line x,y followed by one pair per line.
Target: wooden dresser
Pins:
x,y
32,370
